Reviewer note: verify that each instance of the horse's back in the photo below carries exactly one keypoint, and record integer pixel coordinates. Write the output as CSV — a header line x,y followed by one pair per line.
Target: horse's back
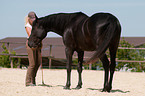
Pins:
x,y
99,22
99,19
102,16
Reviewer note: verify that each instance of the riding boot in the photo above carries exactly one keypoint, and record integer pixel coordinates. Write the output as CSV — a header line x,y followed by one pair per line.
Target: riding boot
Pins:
x,y
29,80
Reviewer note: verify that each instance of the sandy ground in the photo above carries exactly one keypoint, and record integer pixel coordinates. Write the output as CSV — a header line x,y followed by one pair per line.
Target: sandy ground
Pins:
x,y
12,83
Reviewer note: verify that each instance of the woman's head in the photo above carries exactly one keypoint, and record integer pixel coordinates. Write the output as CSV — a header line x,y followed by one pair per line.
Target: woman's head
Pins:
x,y
31,17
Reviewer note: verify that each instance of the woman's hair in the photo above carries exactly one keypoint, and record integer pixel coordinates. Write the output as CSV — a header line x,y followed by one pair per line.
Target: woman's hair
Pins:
x,y
26,19
31,15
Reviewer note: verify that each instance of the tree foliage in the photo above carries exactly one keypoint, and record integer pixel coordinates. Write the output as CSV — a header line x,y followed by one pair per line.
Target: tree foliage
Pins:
x,y
5,59
125,54
130,54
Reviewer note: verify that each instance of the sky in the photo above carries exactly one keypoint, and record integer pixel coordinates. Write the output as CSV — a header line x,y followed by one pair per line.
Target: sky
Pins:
x,y
131,14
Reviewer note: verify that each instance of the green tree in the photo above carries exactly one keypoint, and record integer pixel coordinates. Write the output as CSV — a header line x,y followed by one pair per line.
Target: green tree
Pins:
x,y
5,59
129,54
142,54
125,54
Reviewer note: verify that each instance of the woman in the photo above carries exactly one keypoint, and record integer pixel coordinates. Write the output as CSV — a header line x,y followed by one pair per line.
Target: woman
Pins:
x,y
34,56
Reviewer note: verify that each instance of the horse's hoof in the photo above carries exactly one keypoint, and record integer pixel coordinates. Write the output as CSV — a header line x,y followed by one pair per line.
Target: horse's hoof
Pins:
x,y
67,88
78,87
106,89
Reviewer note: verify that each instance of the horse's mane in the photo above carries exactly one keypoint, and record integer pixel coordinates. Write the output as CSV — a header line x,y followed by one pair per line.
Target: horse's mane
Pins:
x,y
60,20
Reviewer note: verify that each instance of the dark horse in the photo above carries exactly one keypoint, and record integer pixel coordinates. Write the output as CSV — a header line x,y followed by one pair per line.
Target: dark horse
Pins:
x,y
82,33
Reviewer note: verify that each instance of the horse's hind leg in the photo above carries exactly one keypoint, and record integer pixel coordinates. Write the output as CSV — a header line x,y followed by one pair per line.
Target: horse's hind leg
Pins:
x,y
113,50
79,69
105,62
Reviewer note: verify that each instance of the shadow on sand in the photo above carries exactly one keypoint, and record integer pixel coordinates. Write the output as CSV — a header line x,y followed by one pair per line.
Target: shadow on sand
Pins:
x,y
45,85
112,91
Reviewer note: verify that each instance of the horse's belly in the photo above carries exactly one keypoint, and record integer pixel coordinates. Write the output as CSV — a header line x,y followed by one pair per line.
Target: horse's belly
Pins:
x,y
87,47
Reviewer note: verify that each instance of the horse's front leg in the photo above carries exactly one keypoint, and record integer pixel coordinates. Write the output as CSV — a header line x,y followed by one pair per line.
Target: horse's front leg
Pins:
x,y
79,69
69,54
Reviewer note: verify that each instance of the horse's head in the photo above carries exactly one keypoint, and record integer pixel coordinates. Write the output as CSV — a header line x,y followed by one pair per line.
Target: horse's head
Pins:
x,y
38,33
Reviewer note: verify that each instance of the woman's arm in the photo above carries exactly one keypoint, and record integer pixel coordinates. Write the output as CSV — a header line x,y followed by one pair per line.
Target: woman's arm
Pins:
x,y
28,30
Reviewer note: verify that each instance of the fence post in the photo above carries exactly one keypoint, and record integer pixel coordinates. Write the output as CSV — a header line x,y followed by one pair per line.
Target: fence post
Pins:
x,y
90,66
50,54
11,61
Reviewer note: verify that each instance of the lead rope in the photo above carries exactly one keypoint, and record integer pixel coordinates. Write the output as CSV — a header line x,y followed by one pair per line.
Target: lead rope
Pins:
x,y
42,70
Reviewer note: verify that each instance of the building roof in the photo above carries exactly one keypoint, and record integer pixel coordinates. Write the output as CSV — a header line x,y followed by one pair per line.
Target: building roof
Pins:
x,y
17,44
136,41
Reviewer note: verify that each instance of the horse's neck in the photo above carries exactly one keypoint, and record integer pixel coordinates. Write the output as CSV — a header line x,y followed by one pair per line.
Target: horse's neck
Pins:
x,y
55,23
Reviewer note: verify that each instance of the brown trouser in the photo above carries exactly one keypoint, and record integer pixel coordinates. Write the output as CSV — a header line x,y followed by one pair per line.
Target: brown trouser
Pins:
x,y
34,57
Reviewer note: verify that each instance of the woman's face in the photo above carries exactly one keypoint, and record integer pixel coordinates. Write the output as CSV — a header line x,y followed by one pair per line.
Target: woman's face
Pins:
x,y
31,20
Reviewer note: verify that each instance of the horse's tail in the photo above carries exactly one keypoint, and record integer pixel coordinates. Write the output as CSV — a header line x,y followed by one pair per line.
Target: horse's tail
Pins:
x,y
106,37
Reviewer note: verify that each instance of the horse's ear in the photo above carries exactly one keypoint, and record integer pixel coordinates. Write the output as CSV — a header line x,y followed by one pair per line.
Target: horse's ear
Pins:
x,y
36,17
